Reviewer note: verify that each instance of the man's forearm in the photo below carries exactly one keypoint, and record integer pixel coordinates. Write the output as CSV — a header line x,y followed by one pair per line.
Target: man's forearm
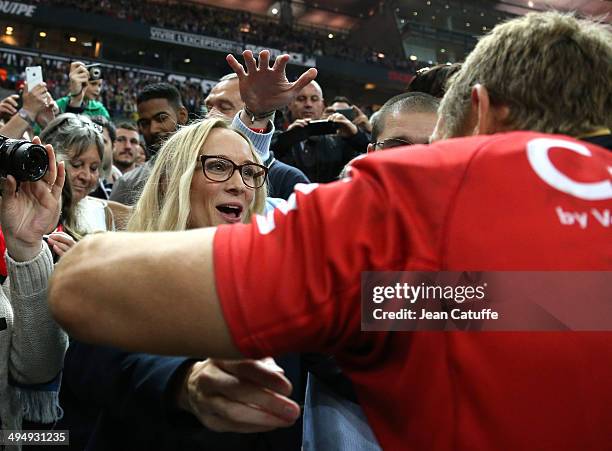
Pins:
x,y
15,127
152,292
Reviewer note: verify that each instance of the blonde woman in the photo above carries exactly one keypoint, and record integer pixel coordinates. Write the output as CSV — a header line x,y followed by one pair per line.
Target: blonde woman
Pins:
x,y
206,174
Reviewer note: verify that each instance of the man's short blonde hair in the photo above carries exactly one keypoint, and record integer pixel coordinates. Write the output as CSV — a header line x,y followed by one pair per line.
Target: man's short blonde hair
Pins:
x,y
553,71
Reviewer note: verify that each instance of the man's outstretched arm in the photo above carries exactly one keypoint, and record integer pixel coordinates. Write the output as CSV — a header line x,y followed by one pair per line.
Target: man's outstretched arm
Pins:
x,y
143,291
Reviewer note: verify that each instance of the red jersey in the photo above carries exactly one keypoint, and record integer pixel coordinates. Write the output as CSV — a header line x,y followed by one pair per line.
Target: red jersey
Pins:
x,y
512,201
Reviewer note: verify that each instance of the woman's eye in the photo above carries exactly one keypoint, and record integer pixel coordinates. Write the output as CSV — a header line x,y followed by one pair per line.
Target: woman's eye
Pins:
x,y
217,166
75,164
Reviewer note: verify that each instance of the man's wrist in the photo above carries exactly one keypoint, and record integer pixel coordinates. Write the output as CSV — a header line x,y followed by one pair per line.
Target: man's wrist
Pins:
x,y
71,94
253,115
257,123
27,116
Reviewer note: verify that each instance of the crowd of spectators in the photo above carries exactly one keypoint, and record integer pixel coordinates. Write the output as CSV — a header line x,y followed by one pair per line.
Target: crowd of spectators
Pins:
x,y
119,88
239,26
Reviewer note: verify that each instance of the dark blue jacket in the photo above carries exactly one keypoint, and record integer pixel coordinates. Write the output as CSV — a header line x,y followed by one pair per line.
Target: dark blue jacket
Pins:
x,y
115,400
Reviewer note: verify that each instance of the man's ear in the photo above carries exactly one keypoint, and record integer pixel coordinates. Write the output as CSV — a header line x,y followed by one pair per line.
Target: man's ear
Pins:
x,y
182,115
489,118
370,148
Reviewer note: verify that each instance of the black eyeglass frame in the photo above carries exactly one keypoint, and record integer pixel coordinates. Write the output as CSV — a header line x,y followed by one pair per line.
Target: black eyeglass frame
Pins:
x,y
380,145
235,166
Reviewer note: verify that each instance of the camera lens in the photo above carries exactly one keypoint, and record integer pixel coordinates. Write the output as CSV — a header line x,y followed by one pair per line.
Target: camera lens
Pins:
x,y
34,164
23,160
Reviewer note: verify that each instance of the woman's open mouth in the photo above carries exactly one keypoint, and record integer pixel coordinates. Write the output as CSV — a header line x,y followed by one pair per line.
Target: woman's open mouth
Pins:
x,y
230,213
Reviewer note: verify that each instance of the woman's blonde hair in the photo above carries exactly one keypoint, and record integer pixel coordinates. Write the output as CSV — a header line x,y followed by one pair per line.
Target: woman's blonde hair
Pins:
x,y
165,201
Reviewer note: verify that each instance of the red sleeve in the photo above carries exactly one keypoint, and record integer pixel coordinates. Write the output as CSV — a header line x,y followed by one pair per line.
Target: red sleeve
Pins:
x,y
291,281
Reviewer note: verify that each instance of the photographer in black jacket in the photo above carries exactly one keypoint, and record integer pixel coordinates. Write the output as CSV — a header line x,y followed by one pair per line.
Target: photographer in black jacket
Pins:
x,y
320,148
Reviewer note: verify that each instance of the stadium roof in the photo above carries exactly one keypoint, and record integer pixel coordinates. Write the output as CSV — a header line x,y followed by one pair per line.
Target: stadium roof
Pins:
x,y
345,14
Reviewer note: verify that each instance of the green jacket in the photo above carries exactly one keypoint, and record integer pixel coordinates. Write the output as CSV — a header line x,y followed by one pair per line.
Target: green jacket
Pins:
x,y
92,108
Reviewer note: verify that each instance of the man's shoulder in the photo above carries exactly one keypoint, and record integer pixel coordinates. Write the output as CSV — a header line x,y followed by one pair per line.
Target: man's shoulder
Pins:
x,y
136,174
284,169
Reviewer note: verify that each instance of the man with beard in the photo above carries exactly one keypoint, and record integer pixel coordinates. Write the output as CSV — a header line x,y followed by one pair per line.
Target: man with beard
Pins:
x,y
126,147
160,112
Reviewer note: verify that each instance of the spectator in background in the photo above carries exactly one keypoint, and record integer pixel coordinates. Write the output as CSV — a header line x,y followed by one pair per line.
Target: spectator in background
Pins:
x,y
108,173
78,142
160,112
224,101
404,120
37,110
321,157
126,147
83,92
355,115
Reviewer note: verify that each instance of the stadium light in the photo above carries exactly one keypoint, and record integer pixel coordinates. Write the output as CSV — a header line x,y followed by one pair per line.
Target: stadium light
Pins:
x,y
369,86
330,36
274,11
413,58
42,34
9,30
187,60
72,39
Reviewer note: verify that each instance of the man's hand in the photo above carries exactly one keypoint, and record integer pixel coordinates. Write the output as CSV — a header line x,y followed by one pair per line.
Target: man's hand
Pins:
x,y
49,113
8,105
264,88
298,123
361,120
36,100
238,395
26,215
347,128
79,76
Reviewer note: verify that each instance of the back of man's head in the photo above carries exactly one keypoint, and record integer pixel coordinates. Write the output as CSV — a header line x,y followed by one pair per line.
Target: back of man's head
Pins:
x,y
551,70
161,91
406,103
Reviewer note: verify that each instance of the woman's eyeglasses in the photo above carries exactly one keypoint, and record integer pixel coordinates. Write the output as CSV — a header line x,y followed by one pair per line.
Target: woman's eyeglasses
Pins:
x,y
220,169
391,142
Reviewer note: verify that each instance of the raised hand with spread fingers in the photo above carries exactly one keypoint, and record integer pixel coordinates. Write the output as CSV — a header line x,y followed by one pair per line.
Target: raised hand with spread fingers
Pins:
x,y
265,88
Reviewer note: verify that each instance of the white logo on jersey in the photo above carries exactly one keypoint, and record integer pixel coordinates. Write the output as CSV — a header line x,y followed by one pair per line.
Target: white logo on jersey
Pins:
x,y
266,224
537,154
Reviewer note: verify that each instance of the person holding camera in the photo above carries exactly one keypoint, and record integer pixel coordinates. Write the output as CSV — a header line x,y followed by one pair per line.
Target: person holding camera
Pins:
x,y
26,111
319,148
32,345
84,91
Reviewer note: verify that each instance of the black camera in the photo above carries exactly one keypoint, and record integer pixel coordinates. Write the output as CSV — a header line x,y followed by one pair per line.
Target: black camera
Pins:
x,y
95,71
25,161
